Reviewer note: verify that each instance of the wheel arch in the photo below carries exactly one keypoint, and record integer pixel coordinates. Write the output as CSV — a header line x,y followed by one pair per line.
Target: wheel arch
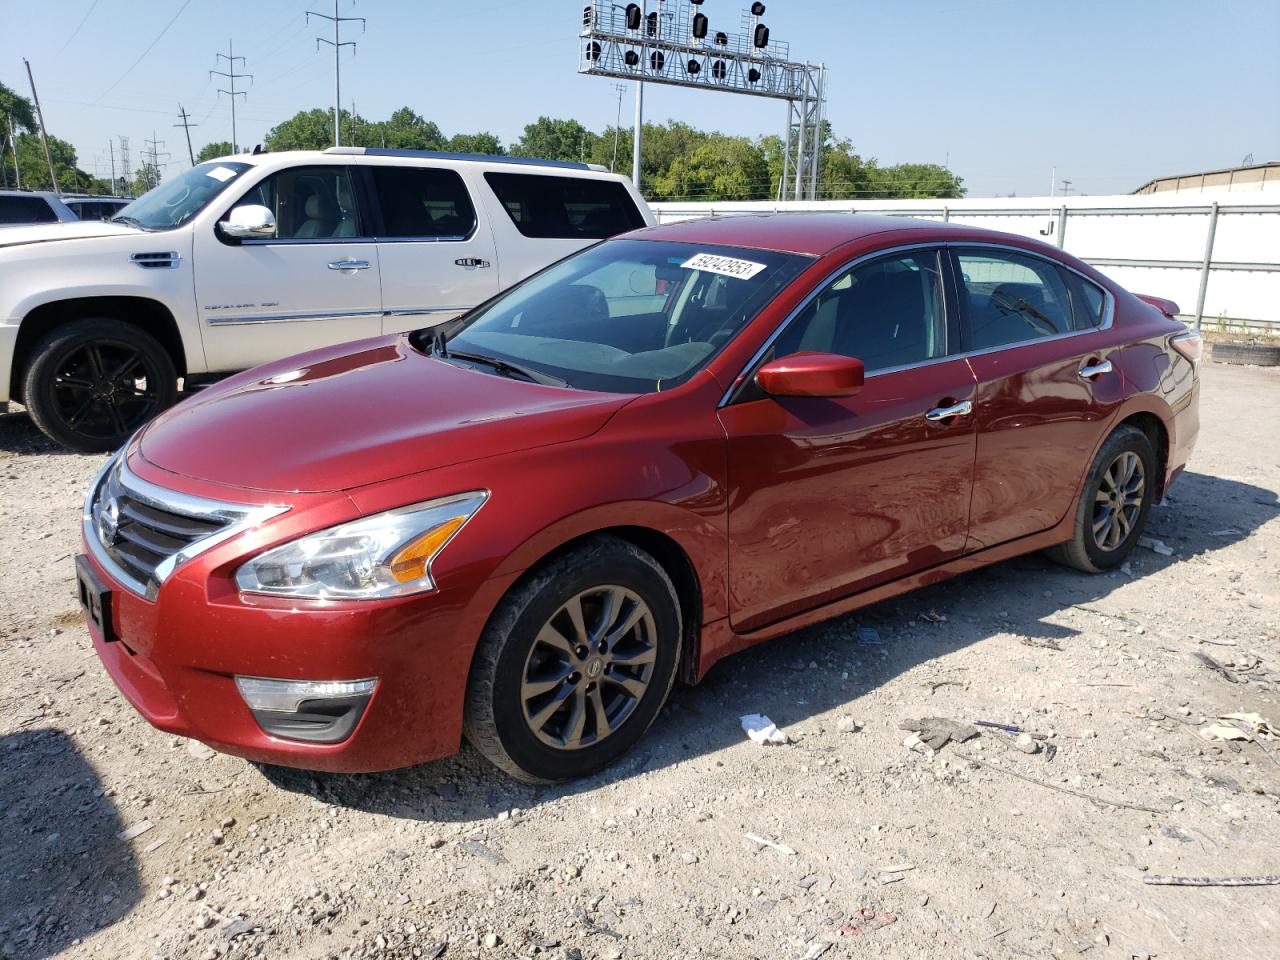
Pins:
x,y
675,561
144,313
1158,434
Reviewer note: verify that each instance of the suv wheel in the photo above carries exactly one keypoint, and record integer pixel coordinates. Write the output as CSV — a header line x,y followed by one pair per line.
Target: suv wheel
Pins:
x,y
1113,505
575,664
91,383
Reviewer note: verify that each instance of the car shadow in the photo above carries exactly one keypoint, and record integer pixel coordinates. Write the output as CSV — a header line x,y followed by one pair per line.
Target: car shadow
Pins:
x,y
64,871
19,434
826,667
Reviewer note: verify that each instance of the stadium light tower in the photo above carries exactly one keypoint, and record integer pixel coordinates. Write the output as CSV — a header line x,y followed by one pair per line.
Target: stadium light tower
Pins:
x,y
674,42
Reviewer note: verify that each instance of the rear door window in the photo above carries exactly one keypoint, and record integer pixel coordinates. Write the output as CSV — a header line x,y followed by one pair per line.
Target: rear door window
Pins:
x,y
26,210
1010,298
568,208
423,203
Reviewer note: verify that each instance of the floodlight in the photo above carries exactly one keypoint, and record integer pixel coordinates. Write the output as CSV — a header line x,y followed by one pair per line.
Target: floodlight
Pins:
x,y
651,23
631,58
753,75
593,51
722,38
633,16
761,38
699,25
693,66
657,61
719,70
757,9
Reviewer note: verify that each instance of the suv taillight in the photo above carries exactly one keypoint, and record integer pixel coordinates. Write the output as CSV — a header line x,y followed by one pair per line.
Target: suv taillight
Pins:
x,y
1189,345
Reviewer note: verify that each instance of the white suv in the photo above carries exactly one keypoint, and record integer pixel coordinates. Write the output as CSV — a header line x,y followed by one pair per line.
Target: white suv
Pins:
x,y
253,257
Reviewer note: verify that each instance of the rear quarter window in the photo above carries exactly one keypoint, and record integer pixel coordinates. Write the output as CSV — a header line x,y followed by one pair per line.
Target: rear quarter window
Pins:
x,y
569,208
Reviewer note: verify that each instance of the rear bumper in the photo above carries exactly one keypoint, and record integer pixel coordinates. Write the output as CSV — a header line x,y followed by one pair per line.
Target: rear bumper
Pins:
x,y
1186,430
177,657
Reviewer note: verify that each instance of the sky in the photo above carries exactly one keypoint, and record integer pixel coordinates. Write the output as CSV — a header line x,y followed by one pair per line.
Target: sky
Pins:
x,y
1111,94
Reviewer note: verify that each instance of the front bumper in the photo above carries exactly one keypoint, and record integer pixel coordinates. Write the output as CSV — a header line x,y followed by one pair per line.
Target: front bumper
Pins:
x,y
180,649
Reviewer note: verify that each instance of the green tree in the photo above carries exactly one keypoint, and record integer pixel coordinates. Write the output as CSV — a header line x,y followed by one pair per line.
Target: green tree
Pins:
x,y
17,108
483,143
210,151
35,171
916,181
720,168
407,130
305,130
548,138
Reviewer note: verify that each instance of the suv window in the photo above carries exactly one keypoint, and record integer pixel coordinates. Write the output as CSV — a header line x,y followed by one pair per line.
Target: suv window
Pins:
x,y
574,208
1011,298
423,203
888,313
26,210
309,203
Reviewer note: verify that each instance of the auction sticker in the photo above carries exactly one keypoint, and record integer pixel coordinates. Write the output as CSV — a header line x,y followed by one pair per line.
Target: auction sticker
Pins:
x,y
725,266
221,173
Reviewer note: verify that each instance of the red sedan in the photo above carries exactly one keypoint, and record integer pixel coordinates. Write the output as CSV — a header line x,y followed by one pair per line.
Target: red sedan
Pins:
x,y
525,525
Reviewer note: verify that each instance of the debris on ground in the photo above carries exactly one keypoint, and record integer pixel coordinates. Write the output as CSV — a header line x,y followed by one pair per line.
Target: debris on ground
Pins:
x,y
1027,743
1041,643
1267,881
137,830
869,635
1156,546
932,616
867,920
762,730
1207,661
771,844
1223,731
936,732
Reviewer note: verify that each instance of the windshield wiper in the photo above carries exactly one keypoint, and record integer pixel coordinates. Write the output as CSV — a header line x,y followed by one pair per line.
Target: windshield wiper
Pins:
x,y
508,368
131,221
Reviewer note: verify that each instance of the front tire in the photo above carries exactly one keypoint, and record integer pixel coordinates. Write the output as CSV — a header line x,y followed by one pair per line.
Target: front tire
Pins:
x,y
574,664
91,383
1114,503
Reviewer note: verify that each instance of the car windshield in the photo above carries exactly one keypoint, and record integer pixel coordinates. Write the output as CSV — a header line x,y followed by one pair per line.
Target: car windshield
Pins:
x,y
176,201
624,316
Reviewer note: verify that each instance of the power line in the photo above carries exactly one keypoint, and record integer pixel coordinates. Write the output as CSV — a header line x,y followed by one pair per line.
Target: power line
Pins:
x,y
74,33
231,75
186,125
151,171
184,6
337,43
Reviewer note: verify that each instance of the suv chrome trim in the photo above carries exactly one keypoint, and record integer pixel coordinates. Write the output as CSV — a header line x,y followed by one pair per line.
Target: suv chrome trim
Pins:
x,y
238,517
170,258
1108,313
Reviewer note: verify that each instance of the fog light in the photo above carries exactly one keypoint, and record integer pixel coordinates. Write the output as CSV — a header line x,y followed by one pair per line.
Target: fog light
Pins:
x,y
316,711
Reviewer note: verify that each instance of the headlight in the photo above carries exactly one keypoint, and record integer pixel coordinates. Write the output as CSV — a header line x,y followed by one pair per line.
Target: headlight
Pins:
x,y
386,555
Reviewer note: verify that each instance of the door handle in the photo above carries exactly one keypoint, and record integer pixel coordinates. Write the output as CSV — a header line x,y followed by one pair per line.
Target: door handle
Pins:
x,y
349,264
961,409
1091,370
471,262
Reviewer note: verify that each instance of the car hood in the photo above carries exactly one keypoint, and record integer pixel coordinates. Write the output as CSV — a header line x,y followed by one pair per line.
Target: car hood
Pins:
x,y
361,413
70,230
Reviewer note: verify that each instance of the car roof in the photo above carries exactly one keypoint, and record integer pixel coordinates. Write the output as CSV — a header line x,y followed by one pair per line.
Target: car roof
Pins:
x,y
46,194
814,234
533,164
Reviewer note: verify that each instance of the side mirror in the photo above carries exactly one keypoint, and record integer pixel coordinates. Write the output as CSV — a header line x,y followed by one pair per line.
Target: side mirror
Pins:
x,y
811,375
249,221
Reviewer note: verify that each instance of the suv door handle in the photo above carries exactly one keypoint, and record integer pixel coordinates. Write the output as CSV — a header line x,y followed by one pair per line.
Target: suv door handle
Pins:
x,y
471,262
1091,370
349,264
961,409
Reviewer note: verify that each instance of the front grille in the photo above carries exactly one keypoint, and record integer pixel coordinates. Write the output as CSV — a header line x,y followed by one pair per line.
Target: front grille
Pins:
x,y
142,532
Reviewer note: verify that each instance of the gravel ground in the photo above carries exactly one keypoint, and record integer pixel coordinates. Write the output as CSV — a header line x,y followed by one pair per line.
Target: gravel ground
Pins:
x,y
119,841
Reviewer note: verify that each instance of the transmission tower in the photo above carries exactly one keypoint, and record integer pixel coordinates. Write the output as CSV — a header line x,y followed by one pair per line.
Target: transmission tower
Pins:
x,y
232,76
337,43
126,170
186,125
155,153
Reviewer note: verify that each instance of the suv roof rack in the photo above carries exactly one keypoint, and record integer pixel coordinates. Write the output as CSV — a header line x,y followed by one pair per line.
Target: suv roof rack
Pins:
x,y
446,155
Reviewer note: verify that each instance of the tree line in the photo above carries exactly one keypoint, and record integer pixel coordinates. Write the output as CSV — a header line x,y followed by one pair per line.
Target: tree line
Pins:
x,y
679,163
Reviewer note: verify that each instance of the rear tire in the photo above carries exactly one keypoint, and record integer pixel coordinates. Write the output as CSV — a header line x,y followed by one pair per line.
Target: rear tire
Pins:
x,y
574,664
1114,503
91,383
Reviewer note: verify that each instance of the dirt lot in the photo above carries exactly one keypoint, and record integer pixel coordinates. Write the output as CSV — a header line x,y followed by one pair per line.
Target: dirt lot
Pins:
x,y
886,852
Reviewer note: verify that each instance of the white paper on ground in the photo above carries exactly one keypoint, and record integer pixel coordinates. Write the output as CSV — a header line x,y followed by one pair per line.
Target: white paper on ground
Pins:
x,y
761,729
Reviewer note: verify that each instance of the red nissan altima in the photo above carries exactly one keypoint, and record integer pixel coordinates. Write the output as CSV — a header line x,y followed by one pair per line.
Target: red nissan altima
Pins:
x,y
525,525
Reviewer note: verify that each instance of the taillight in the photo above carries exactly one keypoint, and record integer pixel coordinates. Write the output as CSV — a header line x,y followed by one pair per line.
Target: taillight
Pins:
x,y
1189,345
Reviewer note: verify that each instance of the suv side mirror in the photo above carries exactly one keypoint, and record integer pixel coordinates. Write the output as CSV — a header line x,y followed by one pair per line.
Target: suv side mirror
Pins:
x,y
249,221
811,375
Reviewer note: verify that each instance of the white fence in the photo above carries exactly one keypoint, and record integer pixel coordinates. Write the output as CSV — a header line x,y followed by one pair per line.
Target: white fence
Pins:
x,y
1217,256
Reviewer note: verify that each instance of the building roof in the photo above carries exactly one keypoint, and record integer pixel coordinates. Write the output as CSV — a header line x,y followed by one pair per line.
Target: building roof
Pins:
x,y
1225,176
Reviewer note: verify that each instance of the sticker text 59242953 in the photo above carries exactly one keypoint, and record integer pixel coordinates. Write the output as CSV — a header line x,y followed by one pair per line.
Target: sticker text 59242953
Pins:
x,y
725,266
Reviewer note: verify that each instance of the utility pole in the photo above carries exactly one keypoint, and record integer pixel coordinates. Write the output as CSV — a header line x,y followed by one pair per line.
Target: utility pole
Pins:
x,y
635,140
617,124
337,43
187,125
153,149
44,136
13,145
232,76
111,152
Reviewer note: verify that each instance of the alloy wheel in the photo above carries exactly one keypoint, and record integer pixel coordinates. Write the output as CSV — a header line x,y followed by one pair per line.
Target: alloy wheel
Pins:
x,y
589,667
1118,501
105,389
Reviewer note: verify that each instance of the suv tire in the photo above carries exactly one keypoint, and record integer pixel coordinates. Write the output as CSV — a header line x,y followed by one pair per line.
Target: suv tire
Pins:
x,y
575,663
91,383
